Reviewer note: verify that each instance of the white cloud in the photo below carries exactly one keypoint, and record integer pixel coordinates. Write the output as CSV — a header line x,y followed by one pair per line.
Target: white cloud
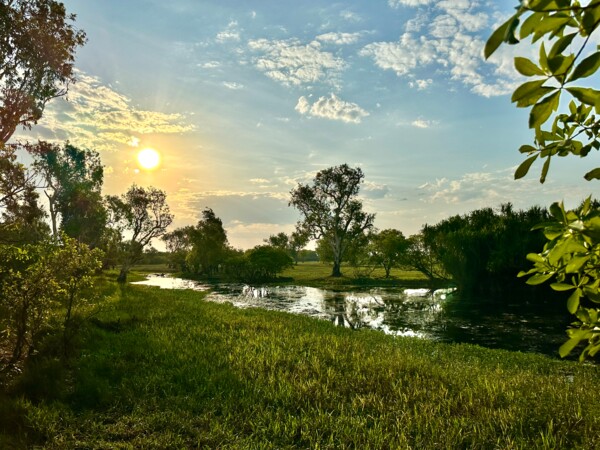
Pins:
x,y
420,85
291,62
231,33
350,16
374,191
422,123
233,85
398,3
332,108
445,37
339,38
403,56
98,117
210,65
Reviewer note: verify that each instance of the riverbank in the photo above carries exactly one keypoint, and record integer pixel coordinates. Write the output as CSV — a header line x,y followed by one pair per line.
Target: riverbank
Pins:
x,y
316,274
164,369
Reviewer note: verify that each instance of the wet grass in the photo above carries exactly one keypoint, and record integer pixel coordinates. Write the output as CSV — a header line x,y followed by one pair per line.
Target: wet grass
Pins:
x,y
165,369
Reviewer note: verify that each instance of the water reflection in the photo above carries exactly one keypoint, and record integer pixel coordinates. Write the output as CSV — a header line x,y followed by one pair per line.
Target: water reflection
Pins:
x,y
440,315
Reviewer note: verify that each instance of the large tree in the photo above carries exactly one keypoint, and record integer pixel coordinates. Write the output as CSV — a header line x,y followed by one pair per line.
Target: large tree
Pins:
x,y
332,211
143,214
37,50
209,244
564,70
72,181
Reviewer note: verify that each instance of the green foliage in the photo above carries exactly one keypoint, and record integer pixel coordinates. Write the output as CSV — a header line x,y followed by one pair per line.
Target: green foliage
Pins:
x,y
565,61
572,258
37,50
21,217
145,215
253,379
72,184
564,66
331,210
483,249
259,264
388,249
209,245
38,284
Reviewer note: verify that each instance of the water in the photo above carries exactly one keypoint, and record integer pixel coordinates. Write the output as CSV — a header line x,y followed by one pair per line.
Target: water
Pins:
x,y
441,315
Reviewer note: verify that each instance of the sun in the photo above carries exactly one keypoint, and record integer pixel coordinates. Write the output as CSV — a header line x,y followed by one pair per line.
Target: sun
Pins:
x,y
148,158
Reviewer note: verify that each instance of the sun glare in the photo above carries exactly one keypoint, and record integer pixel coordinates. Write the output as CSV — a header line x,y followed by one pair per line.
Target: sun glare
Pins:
x,y
148,158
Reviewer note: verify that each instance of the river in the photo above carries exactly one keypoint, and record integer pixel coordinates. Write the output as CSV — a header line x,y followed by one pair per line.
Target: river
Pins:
x,y
515,323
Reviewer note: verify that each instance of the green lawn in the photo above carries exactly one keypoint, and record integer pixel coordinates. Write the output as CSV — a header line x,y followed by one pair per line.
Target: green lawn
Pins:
x,y
165,369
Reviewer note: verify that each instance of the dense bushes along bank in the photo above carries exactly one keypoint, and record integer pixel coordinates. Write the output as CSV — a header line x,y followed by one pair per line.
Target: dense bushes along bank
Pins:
x,y
165,369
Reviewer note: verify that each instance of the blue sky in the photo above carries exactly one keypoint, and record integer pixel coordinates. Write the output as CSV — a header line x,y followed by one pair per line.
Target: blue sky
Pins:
x,y
243,100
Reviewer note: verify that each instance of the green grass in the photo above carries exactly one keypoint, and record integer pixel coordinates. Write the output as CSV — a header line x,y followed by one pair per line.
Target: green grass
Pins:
x,y
165,369
319,275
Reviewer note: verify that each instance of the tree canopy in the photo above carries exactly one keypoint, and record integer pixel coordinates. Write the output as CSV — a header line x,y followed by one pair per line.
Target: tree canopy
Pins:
x,y
145,215
332,211
37,50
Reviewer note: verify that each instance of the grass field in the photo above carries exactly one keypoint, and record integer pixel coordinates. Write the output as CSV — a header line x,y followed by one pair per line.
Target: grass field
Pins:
x,y
165,369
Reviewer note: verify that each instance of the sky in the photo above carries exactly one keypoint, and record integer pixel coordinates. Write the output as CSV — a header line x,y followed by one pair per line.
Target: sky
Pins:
x,y
245,99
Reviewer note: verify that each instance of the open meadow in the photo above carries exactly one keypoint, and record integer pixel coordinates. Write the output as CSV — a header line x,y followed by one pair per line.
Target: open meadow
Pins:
x,y
166,369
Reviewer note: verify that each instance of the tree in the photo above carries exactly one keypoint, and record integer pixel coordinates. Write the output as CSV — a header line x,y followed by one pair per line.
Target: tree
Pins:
x,y
266,262
388,249
144,214
570,256
209,244
37,51
331,210
179,244
421,257
37,282
21,218
292,244
72,184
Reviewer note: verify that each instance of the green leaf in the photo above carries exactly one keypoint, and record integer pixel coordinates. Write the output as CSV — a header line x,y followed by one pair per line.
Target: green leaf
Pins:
x,y
573,301
524,167
562,287
527,149
568,346
539,278
585,95
593,174
526,67
561,44
586,67
530,24
526,89
542,110
576,263
545,170
497,38
543,58
534,96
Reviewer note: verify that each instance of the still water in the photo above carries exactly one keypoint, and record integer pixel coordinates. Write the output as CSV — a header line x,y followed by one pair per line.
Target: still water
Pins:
x,y
442,315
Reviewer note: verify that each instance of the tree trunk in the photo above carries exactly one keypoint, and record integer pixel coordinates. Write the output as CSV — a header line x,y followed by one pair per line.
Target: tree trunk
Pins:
x,y
336,270
122,278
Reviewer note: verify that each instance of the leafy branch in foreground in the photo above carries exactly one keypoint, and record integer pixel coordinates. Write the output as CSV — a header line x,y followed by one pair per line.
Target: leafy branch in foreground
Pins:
x,y
571,256
564,28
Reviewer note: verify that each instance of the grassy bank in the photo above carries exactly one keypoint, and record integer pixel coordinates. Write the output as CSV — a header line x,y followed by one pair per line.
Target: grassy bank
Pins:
x,y
165,369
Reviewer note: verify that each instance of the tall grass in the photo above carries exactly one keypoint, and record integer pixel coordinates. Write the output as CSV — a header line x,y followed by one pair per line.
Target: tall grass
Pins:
x,y
166,369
